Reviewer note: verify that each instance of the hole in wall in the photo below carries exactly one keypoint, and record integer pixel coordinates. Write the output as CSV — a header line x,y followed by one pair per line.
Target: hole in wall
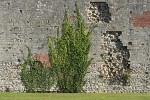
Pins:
x,y
30,39
94,54
142,44
130,12
21,11
47,29
116,57
8,4
98,12
129,43
19,60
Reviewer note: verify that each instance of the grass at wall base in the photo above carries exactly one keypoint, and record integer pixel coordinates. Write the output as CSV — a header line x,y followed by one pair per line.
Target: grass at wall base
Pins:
x,y
74,96
69,54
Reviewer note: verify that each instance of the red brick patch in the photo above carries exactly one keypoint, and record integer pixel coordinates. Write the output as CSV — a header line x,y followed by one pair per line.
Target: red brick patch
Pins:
x,y
44,58
141,20
72,16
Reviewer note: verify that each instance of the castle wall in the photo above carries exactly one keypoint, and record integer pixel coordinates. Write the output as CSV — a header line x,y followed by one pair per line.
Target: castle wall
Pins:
x,y
31,22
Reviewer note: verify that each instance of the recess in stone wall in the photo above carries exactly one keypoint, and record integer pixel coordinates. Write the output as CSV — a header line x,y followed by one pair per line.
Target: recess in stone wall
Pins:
x,y
98,12
115,56
129,43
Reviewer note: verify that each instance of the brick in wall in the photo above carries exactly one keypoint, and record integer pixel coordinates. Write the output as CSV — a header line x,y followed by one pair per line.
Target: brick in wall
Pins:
x,y
142,20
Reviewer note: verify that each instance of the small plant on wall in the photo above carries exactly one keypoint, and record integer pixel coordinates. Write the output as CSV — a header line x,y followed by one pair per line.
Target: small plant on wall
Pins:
x,y
69,54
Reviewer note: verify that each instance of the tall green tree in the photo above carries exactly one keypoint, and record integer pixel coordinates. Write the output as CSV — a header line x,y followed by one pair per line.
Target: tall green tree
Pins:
x,y
69,53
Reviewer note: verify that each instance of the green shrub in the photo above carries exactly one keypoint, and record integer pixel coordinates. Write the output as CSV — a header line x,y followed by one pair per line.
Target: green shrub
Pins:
x,y
69,54
35,76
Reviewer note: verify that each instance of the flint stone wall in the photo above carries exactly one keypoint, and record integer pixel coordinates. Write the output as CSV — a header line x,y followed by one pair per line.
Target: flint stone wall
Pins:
x,y
31,22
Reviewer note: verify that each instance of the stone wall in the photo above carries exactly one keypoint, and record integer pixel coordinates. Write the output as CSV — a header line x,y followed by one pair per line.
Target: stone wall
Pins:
x,y
31,22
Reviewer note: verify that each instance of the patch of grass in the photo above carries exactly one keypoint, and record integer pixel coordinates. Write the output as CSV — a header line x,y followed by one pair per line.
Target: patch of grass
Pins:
x,y
72,96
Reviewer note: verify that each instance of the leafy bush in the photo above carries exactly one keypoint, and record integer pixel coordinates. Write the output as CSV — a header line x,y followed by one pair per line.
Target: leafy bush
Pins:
x,y
69,54
35,76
